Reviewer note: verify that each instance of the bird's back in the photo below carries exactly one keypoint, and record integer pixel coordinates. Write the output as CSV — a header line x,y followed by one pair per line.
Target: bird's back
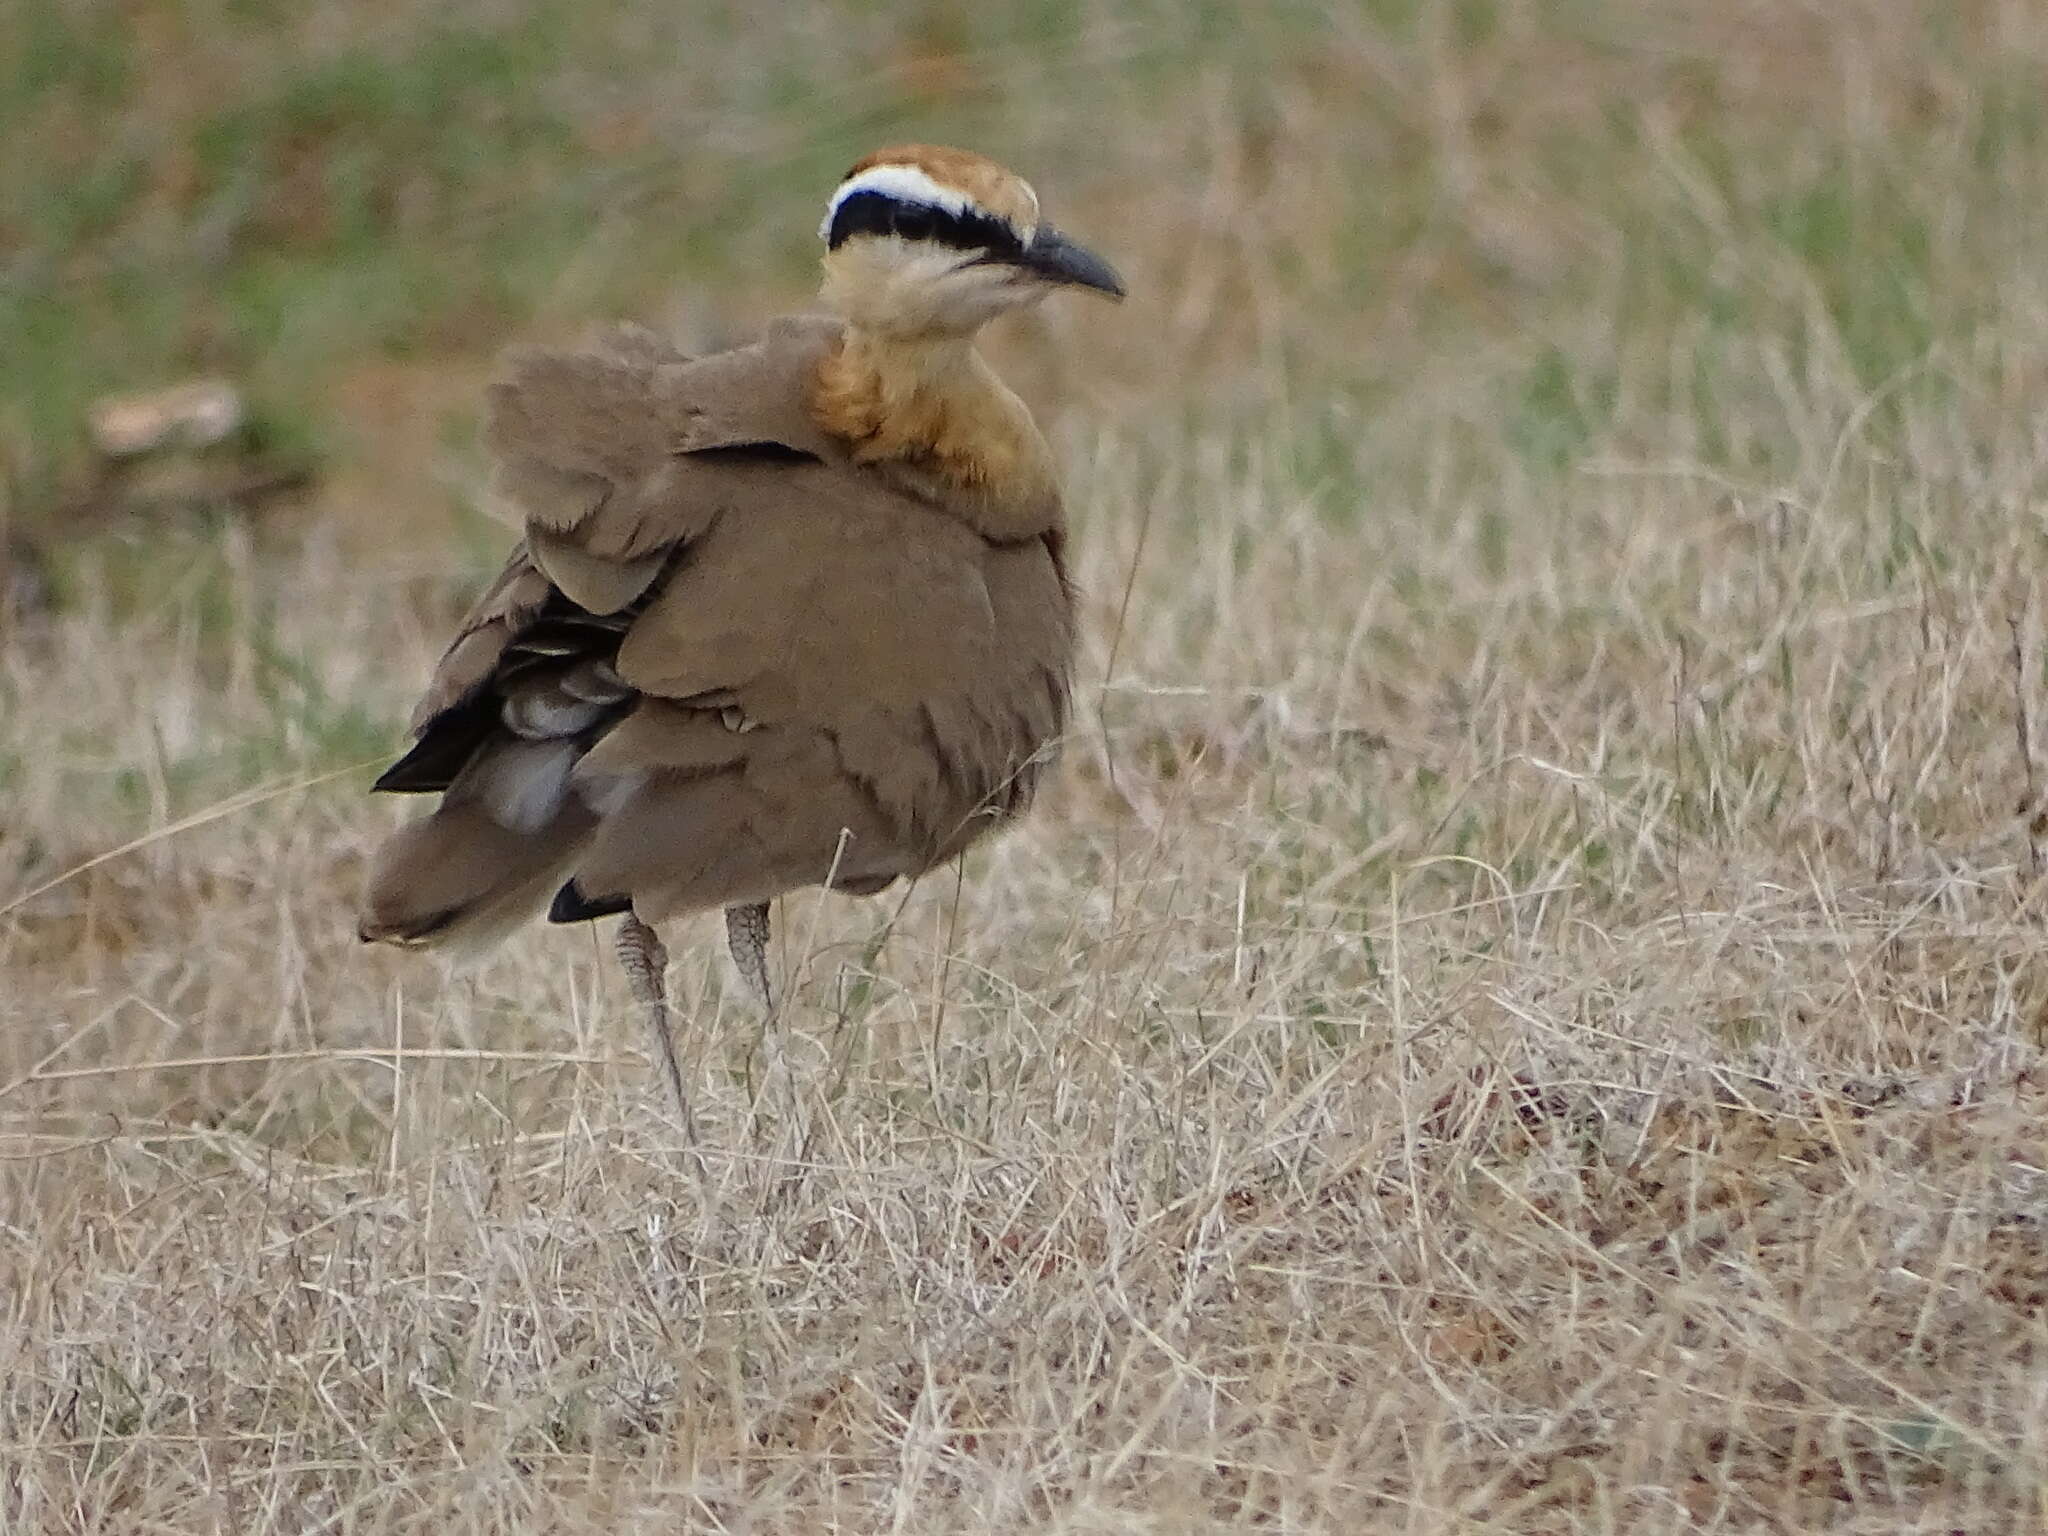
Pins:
x,y
728,660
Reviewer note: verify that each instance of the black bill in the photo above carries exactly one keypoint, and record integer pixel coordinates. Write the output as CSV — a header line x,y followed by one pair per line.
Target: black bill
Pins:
x,y
1053,256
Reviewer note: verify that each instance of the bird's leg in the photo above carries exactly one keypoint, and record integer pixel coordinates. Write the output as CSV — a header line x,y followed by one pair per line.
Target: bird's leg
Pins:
x,y
645,961
746,935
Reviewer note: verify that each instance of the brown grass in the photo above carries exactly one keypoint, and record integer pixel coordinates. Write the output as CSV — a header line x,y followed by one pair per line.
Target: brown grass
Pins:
x,y
1523,1011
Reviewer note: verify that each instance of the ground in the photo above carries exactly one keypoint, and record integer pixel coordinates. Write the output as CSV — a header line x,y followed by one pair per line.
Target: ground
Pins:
x,y
1522,1009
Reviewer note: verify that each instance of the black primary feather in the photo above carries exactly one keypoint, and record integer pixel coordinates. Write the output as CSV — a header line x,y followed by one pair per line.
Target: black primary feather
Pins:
x,y
572,906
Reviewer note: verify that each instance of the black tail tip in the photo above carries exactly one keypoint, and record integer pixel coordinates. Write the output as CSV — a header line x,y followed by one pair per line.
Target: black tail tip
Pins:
x,y
572,906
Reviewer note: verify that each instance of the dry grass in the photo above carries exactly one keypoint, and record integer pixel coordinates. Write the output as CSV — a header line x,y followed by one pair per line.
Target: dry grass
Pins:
x,y
1523,1012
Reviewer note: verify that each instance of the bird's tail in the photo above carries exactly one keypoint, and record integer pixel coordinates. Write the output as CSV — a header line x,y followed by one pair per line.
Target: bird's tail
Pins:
x,y
504,838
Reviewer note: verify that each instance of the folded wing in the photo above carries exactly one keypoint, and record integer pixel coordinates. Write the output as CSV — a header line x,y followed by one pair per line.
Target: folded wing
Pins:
x,y
724,662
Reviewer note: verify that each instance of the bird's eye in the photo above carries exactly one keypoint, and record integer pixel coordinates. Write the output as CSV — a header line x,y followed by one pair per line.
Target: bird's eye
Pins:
x,y
913,223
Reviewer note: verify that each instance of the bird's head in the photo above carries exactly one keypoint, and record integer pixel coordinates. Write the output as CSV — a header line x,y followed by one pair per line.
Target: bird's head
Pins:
x,y
929,242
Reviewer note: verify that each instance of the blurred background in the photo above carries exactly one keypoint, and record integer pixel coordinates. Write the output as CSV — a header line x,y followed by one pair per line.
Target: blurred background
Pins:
x,y
1573,226
1566,491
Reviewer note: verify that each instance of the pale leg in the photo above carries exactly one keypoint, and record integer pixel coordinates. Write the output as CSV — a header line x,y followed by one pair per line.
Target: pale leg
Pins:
x,y
646,964
746,935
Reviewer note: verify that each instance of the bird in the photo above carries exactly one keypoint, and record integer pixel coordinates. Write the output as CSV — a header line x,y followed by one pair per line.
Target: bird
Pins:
x,y
793,614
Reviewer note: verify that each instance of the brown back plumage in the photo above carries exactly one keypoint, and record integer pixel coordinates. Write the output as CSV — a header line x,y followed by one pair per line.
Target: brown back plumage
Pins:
x,y
742,649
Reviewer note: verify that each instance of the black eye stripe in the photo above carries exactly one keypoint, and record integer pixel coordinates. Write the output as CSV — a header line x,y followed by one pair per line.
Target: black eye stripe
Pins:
x,y
877,213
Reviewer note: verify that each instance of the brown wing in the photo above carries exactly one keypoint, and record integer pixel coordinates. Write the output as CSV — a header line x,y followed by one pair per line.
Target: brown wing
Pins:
x,y
763,666
897,680
573,432
584,444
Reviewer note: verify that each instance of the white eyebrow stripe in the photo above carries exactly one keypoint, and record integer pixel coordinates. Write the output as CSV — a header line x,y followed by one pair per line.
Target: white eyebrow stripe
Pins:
x,y
905,183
